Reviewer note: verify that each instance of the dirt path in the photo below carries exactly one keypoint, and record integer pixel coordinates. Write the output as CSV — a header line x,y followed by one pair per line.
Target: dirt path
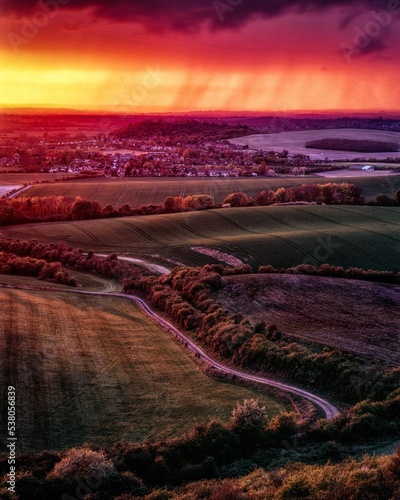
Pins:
x,y
19,192
329,410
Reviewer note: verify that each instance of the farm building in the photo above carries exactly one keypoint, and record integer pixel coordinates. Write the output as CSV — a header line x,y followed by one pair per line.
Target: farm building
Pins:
x,y
362,168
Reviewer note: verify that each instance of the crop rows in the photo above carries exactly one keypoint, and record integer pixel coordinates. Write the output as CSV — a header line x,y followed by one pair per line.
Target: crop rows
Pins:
x,y
366,237
140,192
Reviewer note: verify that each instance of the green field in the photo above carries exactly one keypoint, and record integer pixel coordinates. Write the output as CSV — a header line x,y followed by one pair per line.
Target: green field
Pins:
x,y
295,142
140,192
347,236
96,369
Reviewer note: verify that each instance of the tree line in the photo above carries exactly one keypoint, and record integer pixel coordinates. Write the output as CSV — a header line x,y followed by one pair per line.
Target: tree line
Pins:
x,y
361,146
61,208
38,268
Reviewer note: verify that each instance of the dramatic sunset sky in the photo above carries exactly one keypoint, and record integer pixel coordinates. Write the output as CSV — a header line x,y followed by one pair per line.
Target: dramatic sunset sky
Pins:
x,y
181,55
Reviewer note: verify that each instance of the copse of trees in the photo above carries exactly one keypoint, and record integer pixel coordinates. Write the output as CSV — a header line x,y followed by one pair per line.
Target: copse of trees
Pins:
x,y
385,200
38,268
328,194
182,131
56,256
361,146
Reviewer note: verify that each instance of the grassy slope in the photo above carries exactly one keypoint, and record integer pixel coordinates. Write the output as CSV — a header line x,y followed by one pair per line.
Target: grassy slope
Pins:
x,y
96,369
366,237
357,316
141,191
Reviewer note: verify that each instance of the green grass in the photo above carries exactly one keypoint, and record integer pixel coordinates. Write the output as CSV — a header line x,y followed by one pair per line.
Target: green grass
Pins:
x,y
140,192
295,142
348,236
96,369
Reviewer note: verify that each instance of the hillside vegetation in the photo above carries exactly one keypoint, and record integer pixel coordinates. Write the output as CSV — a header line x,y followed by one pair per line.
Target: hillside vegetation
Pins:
x,y
181,131
303,307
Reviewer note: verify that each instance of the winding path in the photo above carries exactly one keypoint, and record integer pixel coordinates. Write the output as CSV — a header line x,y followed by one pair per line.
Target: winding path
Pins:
x,y
329,410
155,268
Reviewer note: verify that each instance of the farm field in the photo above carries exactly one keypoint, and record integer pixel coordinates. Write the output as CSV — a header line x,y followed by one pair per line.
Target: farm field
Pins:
x,y
95,368
348,236
350,315
23,178
141,191
294,142
4,190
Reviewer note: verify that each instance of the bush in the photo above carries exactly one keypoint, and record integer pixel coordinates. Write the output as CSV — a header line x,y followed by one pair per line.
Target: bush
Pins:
x,y
83,463
249,415
393,467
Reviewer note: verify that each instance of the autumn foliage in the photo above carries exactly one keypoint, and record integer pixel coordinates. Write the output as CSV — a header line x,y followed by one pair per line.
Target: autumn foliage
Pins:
x,y
60,208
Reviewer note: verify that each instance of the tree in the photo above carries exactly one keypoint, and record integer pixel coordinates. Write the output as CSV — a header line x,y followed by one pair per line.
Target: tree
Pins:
x,y
109,211
125,209
82,209
6,216
397,197
249,415
281,196
169,204
198,202
383,200
263,168
237,200
265,198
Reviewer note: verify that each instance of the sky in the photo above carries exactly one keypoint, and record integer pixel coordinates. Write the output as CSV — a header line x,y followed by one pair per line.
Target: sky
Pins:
x,y
189,55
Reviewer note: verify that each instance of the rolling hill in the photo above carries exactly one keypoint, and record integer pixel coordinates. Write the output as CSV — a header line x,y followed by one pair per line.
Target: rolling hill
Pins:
x,y
96,368
283,236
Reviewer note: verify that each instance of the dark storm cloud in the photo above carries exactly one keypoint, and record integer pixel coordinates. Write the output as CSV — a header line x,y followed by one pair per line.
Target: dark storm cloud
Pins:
x,y
184,15
374,46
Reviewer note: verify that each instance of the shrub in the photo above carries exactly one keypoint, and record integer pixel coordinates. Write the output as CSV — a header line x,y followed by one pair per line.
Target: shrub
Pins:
x,y
249,415
393,467
229,491
83,463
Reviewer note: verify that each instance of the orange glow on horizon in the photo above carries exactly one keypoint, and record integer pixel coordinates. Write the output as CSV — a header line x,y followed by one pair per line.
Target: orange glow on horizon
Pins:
x,y
121,67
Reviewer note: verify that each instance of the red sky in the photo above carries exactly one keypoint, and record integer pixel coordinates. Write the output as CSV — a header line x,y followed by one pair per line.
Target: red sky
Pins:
x,y
160,55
